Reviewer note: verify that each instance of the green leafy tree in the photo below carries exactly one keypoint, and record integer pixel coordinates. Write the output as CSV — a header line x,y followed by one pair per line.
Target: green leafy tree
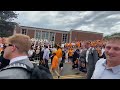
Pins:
x,y
6,24
106,37
114,34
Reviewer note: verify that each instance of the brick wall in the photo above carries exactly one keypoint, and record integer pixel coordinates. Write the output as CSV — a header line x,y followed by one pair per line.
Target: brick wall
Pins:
x,y
69,37
58,38
77,36
31,33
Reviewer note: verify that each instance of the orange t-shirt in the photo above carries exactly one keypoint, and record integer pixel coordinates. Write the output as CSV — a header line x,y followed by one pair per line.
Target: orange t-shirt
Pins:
x,y
54,62
70,52
59,53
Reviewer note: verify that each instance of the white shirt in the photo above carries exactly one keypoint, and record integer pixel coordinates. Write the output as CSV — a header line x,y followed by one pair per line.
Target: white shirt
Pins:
x,y
66,55
30,52
87,53
42,49
103,50
1,45
18,59
46,54
103,72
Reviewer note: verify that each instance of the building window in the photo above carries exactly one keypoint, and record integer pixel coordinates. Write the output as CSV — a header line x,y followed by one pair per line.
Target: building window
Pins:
x,y
64,38
38,35
52,36
24,31
45,35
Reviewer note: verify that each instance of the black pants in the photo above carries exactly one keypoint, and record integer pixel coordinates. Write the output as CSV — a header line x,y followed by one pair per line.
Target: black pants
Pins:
x,y
46,63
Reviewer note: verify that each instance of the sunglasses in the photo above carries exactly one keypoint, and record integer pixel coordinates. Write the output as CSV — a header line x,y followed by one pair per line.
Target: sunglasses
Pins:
x,y
7,45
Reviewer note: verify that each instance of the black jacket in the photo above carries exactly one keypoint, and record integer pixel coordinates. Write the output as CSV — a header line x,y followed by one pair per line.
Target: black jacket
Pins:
x,y
75,55
4,62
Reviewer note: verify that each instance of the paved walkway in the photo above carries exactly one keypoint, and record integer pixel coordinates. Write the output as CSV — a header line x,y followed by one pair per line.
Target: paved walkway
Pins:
x,y
68,73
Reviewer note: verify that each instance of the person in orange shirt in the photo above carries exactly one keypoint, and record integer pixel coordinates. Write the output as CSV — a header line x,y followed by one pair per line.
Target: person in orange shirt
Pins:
x,y
70,55
55,65
70,45
59,55
78,44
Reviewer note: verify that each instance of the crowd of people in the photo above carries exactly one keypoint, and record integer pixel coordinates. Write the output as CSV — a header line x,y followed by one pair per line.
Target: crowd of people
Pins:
x,y
97,59
82,55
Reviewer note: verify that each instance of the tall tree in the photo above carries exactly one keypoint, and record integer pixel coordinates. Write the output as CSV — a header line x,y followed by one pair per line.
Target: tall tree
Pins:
x,y
108,36
118,34
6,24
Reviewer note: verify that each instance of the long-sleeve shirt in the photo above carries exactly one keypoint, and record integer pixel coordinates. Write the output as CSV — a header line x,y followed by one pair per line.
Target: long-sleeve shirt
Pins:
x,y
46,54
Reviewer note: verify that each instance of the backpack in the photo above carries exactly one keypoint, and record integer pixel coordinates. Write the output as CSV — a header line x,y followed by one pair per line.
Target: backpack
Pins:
x,y
37,72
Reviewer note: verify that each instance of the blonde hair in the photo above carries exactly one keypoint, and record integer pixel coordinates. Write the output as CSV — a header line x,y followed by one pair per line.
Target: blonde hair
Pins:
x,y
22,42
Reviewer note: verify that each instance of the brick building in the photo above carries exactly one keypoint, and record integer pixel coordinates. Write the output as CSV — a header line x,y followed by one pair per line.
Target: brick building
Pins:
x,y
77,35
58,36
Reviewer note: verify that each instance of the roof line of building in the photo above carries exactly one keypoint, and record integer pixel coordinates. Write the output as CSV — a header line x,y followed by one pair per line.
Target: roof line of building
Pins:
x,y
43,28
61,31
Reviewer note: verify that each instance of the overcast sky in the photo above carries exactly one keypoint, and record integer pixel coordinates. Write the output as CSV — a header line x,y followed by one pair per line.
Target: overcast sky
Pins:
x,y
106,22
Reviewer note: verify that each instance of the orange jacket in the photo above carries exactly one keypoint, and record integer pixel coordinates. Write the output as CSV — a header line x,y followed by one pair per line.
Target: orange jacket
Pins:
x,y
59,53
54,62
